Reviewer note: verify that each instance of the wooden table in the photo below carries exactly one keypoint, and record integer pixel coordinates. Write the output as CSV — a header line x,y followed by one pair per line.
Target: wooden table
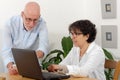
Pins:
x,y
18,77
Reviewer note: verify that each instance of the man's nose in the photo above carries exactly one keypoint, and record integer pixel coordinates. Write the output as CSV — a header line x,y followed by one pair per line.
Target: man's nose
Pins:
x,y
32,23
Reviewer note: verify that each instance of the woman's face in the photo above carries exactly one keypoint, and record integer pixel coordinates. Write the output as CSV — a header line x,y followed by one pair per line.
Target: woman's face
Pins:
x,y
78,38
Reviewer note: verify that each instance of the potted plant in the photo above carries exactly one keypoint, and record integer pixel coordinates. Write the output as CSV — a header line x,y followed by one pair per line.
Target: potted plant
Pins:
x,y
67,44
108,72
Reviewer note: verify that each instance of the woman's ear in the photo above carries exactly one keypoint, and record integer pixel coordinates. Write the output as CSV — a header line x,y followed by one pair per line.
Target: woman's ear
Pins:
x,y
87,36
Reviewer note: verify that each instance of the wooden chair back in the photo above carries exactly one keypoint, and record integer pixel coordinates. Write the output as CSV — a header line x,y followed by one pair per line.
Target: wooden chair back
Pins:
x,y
117,71
111,64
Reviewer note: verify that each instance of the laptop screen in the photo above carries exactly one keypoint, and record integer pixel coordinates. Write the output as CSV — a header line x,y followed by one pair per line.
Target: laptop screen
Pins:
x,y
28,65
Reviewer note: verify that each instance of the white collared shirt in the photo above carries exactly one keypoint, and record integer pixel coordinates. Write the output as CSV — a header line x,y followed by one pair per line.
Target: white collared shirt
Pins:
x,y
91,64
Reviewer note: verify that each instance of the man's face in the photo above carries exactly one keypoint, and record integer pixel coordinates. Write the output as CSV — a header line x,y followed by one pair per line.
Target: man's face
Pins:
x,y
30,20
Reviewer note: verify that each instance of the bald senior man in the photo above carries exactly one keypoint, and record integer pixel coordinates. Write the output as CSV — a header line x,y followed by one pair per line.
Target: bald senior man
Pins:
x,y
25,31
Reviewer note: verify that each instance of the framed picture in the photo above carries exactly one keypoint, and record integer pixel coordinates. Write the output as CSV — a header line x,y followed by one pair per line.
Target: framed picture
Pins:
x,y
109,36
108,8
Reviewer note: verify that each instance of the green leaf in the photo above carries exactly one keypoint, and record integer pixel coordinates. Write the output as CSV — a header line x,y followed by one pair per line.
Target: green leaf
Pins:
x,y
108,54
67,44
55,60
52,60
45,65
52,52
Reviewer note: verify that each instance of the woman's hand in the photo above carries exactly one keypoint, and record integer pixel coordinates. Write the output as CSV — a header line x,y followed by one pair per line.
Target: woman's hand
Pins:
x,y
53,68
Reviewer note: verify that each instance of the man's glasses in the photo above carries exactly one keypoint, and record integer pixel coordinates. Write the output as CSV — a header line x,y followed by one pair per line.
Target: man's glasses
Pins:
x,y
30,20
75,34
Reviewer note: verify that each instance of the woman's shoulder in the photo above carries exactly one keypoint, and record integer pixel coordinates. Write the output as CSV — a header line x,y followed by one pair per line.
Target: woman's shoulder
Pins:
x,y
95,48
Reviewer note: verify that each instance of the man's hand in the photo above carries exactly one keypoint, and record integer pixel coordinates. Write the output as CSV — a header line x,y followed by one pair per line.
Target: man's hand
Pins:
x,y
12,69
40,54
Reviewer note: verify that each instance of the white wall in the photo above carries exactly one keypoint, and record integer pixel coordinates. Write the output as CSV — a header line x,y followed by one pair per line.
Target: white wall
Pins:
x,y
60,13
93,12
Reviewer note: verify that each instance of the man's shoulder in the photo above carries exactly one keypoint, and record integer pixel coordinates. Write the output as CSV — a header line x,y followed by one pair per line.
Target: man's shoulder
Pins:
x,y
13,21
42,20
15,17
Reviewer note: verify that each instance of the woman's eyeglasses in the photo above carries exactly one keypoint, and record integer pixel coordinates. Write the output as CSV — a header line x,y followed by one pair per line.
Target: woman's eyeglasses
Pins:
x,y
75,34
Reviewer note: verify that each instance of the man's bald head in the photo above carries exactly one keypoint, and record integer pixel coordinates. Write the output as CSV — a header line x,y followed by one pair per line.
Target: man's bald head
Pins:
x,y
30,15
32,8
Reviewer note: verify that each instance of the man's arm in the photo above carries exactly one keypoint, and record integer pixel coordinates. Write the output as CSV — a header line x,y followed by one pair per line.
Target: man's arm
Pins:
x,y
7,44
43,40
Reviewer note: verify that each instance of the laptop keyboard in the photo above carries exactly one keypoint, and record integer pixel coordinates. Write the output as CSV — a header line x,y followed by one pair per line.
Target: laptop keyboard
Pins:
x,y
54,75
50,74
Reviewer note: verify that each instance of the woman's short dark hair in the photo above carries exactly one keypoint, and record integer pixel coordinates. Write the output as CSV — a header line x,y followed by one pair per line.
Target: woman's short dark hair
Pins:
x,y
86,27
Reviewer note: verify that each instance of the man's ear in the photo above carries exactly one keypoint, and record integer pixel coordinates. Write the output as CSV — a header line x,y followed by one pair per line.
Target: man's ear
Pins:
x,y
22,13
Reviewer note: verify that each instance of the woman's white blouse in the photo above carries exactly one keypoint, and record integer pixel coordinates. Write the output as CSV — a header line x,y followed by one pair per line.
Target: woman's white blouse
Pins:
x,y
91,64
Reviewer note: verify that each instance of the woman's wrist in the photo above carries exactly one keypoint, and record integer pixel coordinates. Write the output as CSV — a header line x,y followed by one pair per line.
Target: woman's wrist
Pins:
x,y
63,69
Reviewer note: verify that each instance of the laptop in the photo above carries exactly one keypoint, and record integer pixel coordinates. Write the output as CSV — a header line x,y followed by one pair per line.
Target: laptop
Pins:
x,y
28,66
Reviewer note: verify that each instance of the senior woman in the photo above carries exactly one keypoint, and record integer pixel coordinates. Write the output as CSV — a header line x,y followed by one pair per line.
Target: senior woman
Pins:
x,y
86,58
